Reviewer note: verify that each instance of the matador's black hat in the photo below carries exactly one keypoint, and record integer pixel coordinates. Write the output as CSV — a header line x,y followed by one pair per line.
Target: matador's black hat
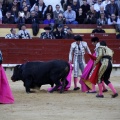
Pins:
x,y
78,38
47,28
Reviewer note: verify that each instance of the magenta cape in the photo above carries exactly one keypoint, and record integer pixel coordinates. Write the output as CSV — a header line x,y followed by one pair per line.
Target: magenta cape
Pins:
x,y
68,79
85,83
6,96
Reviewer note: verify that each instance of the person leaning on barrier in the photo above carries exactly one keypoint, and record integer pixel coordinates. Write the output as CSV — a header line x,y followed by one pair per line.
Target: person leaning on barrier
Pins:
x,y
12,35
23,33
69,34
59,33
98,29
47,34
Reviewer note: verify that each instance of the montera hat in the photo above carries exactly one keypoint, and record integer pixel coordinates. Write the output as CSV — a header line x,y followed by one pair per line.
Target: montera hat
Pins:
x,y
47,28
78,38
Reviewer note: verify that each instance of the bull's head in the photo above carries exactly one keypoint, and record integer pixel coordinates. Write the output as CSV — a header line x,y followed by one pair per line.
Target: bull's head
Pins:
x,y
17,73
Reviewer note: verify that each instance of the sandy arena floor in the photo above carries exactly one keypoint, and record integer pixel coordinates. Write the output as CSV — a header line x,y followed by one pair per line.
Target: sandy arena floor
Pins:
x,y
71,105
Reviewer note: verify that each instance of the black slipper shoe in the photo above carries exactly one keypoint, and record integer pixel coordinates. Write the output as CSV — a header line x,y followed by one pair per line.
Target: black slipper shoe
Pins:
x,y
99,96
91,92
115,95
77,88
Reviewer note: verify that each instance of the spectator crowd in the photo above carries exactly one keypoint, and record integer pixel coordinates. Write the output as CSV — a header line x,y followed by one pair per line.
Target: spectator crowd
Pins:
x,y
104,12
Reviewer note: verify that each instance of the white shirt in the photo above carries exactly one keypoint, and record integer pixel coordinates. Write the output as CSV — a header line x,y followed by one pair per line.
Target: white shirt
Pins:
x,y
97,7
24,34
104,3
75,50
111,23
40,8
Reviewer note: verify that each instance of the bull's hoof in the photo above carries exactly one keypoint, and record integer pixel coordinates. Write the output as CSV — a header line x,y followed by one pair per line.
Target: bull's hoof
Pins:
x,y
115,95
30,92
61,91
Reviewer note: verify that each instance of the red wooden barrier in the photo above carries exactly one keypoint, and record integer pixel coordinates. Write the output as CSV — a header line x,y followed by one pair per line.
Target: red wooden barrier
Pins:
x,y
84,26
20,51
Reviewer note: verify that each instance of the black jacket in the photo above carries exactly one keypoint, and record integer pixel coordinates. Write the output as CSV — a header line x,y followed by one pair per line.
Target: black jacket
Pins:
x,y
59,35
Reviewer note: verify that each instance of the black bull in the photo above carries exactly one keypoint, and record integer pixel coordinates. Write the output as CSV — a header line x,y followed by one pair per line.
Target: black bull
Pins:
x,y
35,74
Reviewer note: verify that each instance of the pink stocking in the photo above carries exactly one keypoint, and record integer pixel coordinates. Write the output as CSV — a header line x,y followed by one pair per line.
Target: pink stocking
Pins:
x,y
112,88
100,89
103,85
75,82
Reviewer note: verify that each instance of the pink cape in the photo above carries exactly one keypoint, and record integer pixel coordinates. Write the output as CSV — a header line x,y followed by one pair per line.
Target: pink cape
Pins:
x,y
85,75
6,96
68,79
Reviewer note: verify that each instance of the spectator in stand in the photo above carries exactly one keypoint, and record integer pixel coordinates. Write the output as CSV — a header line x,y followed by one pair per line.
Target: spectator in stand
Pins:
x,y
92,11
57,12
21,18
5,6
63,4
69,34
14,13
113,20
8,19
70,16
23,33
98,5
15,3
1,15
42,6
12,35
91,19
60,20
39,14
80,16
49,20
112,8
47,34
101,11
105,2
32,2
102,19
59,33
98,29
69,3
33,18
85,7
26,13
75,6
23,2
49,10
